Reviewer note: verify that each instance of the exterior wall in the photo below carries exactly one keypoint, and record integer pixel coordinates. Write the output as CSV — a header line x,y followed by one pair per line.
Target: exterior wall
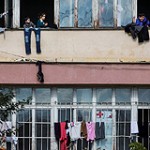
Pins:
x,y
76,74
75,46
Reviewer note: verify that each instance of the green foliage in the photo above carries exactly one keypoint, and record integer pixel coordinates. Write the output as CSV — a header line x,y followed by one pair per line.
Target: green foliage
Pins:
x,y
136,146
6,105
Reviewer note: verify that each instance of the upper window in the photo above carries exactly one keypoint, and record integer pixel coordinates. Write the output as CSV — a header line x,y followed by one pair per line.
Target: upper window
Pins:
x,y
143,95
80,13
125,12
24,95
123,95
66,13
33,9
84,95
106,13
104,95
84,13
42,95
65,95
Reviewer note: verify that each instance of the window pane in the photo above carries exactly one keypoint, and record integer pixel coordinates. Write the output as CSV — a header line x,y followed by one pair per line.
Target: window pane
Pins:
x,y
24,116
84,13
106,13
24,95
66,13
84,114
65,114
124,12
104,95
24,121
123,119
42,95
123,95
144,95
65,95
84,95
42,115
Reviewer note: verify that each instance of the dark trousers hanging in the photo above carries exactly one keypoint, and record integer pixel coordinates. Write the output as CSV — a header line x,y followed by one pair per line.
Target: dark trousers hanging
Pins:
x,y
143,35
27,38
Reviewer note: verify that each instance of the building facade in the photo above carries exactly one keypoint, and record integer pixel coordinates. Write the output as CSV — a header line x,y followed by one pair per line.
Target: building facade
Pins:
x,y
93,71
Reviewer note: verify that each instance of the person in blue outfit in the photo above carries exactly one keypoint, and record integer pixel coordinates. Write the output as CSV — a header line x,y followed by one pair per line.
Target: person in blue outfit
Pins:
x,y
142,24
40,22
28,28
139,28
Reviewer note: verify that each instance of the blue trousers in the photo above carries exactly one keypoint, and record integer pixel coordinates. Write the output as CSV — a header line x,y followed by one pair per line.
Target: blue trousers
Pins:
x,y
27,38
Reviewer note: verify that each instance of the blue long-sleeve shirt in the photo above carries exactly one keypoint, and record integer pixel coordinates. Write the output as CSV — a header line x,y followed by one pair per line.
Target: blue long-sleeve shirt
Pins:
x,y
145,22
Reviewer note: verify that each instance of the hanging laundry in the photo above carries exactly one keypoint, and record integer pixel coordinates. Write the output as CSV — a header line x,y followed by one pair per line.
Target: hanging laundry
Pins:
x,y
27,38
9,125
83,129
74,130
99,130
63,137
90,131
57,131
134,127
3,126
67,133
2,30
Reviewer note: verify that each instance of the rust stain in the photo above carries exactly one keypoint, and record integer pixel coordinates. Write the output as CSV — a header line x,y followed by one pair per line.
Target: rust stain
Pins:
x,y
96,24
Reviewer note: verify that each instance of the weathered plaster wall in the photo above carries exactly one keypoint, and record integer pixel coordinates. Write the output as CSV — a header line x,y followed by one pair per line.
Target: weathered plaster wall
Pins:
x,y
75,46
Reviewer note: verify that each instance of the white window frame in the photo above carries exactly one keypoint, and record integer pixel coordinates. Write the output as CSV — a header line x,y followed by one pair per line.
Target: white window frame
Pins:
x,y
95,20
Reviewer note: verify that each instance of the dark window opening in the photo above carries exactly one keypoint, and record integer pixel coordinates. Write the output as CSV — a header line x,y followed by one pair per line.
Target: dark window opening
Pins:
x,y
144,7
6,20
32,9
1,11
144,128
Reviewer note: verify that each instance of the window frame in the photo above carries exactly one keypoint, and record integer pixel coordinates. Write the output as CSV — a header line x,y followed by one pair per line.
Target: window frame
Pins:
x,y
95,19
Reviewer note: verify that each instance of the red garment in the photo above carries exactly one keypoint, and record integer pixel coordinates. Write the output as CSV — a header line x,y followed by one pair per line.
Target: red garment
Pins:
x,y
63,137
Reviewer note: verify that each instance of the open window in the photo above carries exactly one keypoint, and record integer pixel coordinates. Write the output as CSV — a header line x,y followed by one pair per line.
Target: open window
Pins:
x,y
1,11
6,8
144,7
32,9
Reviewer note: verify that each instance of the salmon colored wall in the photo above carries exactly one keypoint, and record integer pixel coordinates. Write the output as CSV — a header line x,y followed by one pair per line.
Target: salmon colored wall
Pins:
x,y
98,74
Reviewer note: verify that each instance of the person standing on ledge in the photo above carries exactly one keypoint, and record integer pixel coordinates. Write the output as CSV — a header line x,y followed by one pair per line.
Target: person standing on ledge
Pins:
x,y
40,22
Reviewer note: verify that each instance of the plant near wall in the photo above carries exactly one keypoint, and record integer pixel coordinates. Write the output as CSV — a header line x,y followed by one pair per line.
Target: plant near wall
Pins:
x,y
8,107
136,146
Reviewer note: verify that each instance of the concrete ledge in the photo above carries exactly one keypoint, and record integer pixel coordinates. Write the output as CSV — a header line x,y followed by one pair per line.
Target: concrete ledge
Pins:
x,y
75,46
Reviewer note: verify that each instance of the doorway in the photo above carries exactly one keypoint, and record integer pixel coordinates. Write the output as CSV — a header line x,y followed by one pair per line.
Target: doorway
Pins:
x,y
30,8
144,7
144,127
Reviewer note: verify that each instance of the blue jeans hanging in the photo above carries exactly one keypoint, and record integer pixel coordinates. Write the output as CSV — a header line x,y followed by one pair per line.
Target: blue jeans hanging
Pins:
x,y
27,38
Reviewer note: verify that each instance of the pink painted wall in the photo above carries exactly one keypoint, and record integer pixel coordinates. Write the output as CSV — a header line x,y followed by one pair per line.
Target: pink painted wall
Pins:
x,y
98,74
